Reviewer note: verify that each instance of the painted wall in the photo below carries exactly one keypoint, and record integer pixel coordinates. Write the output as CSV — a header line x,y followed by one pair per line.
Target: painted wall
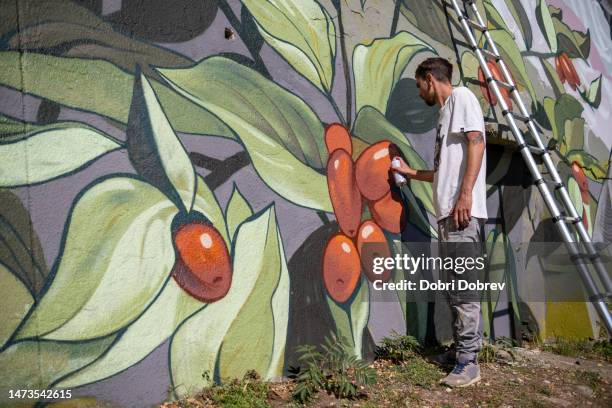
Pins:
x,y
168,195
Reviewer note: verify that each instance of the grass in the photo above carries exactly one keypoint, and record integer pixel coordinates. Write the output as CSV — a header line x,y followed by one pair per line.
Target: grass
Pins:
x,y
591,378
583,348
250,392
419,372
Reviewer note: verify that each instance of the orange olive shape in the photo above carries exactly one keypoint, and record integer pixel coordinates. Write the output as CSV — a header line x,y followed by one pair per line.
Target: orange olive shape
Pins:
x,y
371,244
343,191
581,179
486,92
569,71
337,137
496,75
203,267
341,268
560,69
389,212
372,170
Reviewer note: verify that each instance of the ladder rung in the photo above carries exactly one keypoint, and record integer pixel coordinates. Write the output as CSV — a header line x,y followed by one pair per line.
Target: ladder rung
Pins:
x,y
533,149
490,55
476,25
568,220
520,117
503,84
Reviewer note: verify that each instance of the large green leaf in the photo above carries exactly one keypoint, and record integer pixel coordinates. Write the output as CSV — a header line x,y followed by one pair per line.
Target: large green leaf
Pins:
x,y
520,16
155,150
575,43
20,249
282,135
593,95
371,126
378,66
565,108
159,320
302,32
352,317
238,210
513,59
48,152
259,283
546,24
118,246
15,300
429,17
65,28
259,332
496,21
37,364
156,324
98,86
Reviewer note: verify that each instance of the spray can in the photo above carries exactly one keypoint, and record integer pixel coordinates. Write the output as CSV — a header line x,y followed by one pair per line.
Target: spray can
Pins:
x,y
400,180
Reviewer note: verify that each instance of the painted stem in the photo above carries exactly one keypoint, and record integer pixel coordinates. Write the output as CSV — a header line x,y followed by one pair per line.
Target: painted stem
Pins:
x,y
345,67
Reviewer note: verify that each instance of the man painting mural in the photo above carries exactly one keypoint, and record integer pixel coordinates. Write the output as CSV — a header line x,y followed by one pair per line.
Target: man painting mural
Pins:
x,y
459,194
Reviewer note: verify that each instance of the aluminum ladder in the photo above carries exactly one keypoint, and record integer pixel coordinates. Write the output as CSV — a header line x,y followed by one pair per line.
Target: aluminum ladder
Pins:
x,y
561,221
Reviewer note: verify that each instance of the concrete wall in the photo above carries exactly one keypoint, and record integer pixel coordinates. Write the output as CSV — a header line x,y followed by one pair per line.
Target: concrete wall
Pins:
x,y
165,205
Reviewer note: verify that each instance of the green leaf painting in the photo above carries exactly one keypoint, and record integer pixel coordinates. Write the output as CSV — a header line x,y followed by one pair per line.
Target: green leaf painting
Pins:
x,y
546,24
302,32
352,317
100,87
282,135
593,94
522,20
42,153
15,301
206,341
575,43
157,323
37,365
379,65
154,147
238,210
130,265
20,249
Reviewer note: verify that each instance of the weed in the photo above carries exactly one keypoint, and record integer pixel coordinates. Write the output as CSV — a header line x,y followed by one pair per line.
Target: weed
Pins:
x,y
334,370
397,348
419,372
590,378
585,348
250,392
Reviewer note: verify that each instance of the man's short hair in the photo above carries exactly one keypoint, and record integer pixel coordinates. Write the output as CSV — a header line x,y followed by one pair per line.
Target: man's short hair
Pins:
x,y
439,68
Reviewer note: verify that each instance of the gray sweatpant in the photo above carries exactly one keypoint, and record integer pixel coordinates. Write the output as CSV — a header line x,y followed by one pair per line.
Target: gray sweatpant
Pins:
x,y
465,312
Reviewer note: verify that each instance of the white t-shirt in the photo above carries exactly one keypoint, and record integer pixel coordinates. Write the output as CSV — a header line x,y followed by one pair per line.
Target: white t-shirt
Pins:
x,y
461,113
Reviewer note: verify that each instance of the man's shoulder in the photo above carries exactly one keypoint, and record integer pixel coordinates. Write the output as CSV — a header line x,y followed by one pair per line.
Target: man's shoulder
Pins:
x,y
463,92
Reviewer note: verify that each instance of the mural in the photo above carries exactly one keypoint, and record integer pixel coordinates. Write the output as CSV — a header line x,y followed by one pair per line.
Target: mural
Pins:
x,y
187,187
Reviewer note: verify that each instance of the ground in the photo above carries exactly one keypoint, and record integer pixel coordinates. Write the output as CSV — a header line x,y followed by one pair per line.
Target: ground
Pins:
x,y
511,377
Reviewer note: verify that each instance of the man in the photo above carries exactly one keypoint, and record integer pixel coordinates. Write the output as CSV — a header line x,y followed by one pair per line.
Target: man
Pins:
x,y
459,194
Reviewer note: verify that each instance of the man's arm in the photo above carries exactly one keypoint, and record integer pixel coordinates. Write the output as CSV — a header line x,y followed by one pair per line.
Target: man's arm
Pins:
x,y
475,151
422,175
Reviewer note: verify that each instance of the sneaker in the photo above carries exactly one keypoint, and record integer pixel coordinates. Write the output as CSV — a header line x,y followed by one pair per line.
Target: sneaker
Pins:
x,y
463,374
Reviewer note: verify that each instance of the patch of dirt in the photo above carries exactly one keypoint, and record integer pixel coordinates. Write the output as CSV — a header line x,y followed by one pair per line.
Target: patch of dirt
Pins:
x,y
532,378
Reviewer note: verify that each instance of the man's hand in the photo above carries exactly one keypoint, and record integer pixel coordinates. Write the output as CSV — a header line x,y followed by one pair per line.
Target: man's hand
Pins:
x,y
406,170
403,168
462,211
